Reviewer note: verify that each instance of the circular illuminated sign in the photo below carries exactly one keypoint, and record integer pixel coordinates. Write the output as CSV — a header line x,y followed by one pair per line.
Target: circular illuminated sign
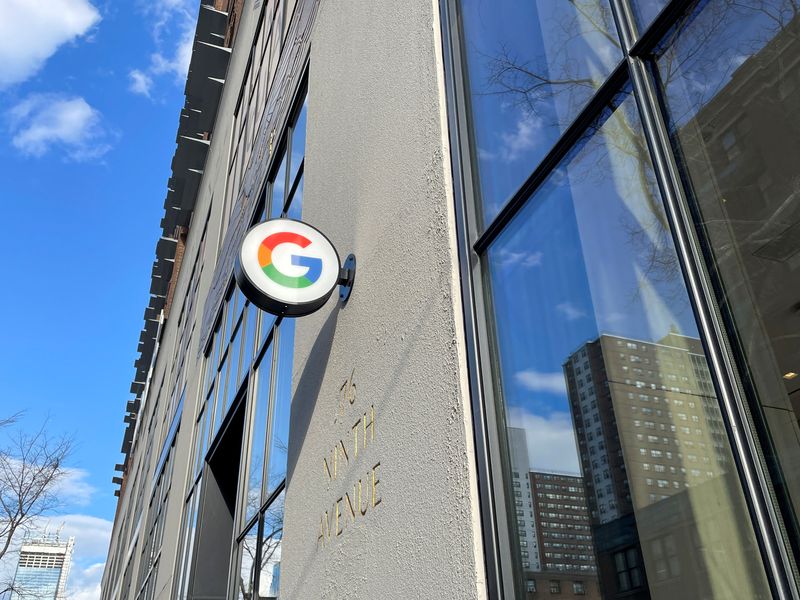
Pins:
x,y
286,267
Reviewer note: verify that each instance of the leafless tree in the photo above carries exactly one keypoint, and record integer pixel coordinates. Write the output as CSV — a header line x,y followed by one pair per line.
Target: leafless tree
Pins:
x,y
31,468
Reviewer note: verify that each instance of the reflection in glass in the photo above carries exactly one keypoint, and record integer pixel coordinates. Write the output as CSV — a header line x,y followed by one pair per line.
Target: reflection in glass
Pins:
x,y
646,10
245,581
532,67
258,437
233,364
298,141
251,322
617,448
270,571
736,132
297,201
278,190
282,403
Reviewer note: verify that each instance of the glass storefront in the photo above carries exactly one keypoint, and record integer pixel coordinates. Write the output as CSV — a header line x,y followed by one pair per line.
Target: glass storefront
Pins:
x,y
620,475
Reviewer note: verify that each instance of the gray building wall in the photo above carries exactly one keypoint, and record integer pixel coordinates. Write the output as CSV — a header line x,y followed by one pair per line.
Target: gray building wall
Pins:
x,y
378,184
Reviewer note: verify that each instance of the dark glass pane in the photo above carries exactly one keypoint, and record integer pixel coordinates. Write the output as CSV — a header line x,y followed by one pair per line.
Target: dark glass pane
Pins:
x,y
298,141
270,571
605,385
245,580
282,402
731,83
278,191
532,67
258,437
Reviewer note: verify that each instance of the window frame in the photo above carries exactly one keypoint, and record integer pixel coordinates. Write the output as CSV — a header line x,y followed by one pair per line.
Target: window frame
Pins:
x,y
497,508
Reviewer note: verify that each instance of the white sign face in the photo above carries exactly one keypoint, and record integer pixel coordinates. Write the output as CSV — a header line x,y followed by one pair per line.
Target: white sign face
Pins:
x,y
286,267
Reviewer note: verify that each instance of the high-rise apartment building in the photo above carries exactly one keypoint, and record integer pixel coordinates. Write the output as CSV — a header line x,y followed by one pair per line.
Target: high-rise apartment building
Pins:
x,y
43,568
575,231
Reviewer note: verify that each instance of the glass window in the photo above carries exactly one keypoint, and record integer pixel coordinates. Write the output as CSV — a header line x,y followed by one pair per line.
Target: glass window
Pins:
x,y
258,437
247,564
233,364
282,402
298,141
250,323
296,202
532,67
644,11
730,76
278,190
589,262
272,534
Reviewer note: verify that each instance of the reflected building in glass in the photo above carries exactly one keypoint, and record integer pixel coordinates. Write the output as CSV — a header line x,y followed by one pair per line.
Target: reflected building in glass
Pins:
x,y
652,448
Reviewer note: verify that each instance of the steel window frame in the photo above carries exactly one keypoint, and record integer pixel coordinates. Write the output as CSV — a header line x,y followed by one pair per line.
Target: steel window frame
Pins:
x,y
502,579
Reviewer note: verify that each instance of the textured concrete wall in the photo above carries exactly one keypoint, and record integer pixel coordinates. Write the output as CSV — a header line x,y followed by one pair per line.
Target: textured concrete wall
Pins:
x,y
378,184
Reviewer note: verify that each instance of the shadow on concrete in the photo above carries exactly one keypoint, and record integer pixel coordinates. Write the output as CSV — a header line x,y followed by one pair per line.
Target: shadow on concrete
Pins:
x,y
308,388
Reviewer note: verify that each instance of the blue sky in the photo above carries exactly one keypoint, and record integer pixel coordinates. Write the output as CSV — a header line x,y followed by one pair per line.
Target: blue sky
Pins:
x,y
90,93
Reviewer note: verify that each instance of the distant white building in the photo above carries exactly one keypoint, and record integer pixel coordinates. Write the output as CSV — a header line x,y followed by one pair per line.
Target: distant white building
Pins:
x,y
43,568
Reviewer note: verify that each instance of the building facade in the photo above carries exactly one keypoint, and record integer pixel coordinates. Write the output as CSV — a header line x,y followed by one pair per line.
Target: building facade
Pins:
x,y
569,363
43,568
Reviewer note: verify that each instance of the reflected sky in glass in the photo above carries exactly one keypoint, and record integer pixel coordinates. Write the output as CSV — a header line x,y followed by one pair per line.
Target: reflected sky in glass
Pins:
x,y
258,436
589,254
532,67
282,403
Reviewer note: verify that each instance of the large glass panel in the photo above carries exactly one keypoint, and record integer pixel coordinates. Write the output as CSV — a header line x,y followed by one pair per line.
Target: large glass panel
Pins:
x,y
245,580
621,476
270,571
282,403
532,67
258,438
731,83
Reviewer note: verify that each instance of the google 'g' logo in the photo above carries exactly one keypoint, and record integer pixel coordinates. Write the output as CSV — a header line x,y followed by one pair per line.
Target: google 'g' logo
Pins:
x,y
313,264
287,267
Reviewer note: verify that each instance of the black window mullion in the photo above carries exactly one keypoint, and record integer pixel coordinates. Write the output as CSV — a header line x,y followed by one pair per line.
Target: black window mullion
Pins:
x,y
602,99
739,432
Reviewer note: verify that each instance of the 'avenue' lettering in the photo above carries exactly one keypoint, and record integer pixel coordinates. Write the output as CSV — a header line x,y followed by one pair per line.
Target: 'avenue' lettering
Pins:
x,y
348,508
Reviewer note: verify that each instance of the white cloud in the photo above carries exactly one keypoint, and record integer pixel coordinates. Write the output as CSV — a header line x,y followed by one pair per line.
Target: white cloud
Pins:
x,y
551,441
73,489
536,381
32,31
84,584
177,19
570,311
522,259
42,122
521,139
141,82
92,537
178,63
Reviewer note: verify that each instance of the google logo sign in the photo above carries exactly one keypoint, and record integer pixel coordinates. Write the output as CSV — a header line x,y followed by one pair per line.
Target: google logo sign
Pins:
x,y
287,267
